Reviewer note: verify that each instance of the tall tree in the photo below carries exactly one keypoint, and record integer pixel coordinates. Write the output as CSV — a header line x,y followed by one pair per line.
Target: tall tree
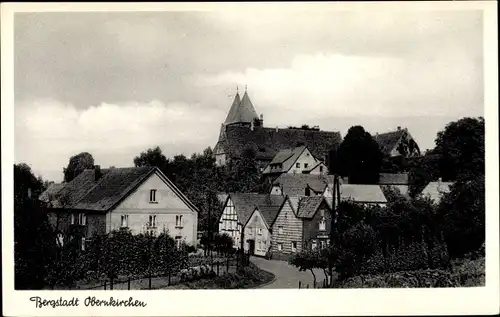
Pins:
x,y
461,147
77,164
358,157
151,157
33,239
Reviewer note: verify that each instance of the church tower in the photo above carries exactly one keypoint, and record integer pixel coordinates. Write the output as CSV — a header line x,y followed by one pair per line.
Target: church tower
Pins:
x,y
242,112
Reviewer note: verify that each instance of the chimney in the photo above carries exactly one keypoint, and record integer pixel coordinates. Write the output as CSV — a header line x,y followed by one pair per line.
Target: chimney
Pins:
x,y
399,128
97,172
276,129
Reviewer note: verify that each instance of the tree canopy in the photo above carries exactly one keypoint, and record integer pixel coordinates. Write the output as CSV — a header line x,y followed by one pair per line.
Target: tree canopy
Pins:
x,y
77,164
461,148
358,157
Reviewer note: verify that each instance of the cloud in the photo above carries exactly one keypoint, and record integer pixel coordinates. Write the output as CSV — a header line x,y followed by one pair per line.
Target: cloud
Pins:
x,y
321,85
48,132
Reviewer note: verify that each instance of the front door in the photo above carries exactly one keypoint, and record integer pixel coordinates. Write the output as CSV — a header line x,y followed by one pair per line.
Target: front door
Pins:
x,y
251,246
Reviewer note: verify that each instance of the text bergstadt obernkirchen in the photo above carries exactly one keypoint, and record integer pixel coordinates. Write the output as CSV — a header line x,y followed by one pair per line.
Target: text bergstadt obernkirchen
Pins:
x,y
88,301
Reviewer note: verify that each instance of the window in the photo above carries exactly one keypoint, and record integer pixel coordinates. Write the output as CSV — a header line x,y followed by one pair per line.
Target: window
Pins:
x,y
322,244
313,245
178,221
82,219
124,221
280,246
178,242
297,165
152,221
152,196
280,229
294,246
83,244
72,219
320,168
322,224
306,165
259,231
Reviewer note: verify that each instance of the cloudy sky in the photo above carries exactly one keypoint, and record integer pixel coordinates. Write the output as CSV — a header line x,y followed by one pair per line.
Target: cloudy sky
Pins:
x,y
114,84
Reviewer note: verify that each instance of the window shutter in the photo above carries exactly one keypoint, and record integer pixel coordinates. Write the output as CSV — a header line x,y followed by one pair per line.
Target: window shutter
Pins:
x,y
72,219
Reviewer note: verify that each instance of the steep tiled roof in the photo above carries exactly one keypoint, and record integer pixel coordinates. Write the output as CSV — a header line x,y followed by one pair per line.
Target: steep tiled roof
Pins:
x,y
295,184
362,193
51,191
269,213
308,206
241,111
393,179
286,158
267,142
73,191
112,186
388,141
435,190
245,203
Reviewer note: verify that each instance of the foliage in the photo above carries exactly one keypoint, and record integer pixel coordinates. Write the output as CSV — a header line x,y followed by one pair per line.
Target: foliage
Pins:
x,y
201,180
462,215
467,273
77,164
358,157
309,260
423,170
461,147
248,277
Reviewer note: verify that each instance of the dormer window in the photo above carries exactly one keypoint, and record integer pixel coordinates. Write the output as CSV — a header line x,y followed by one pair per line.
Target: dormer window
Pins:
x,y
320,169
297,165
308,191
152,196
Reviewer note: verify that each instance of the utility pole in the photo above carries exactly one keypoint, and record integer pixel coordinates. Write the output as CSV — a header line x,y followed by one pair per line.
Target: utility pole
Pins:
x,y
209,233
333,224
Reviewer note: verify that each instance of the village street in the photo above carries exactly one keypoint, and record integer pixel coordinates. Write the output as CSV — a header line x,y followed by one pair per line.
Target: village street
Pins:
x,y
287,276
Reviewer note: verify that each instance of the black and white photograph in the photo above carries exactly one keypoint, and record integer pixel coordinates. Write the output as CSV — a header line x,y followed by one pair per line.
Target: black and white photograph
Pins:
x,y
248,147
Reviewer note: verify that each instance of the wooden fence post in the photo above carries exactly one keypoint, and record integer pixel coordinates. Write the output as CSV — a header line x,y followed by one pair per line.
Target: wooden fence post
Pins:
x,y
128,283
111,284
217,268
169,275
307,286
227,265
299,284
149,280
104,285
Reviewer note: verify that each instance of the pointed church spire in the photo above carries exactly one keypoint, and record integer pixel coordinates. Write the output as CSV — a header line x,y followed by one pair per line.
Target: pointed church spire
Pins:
x,y
242,111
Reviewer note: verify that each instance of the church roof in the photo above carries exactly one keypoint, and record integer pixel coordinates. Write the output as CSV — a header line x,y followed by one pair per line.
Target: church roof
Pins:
x,y
267,142
241,110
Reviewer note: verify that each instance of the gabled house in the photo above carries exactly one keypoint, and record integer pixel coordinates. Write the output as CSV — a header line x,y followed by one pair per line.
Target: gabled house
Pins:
x,y
297,184
397,143
295,161
395,181
436,190
287,228
258,229
316,222
141,199
238,209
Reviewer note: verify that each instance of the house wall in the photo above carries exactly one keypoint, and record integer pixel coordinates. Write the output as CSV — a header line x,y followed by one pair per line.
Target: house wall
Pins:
x,y
317,171
311,232
263,240
276,190
167,206
305,158
292,231
95,222
229,223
